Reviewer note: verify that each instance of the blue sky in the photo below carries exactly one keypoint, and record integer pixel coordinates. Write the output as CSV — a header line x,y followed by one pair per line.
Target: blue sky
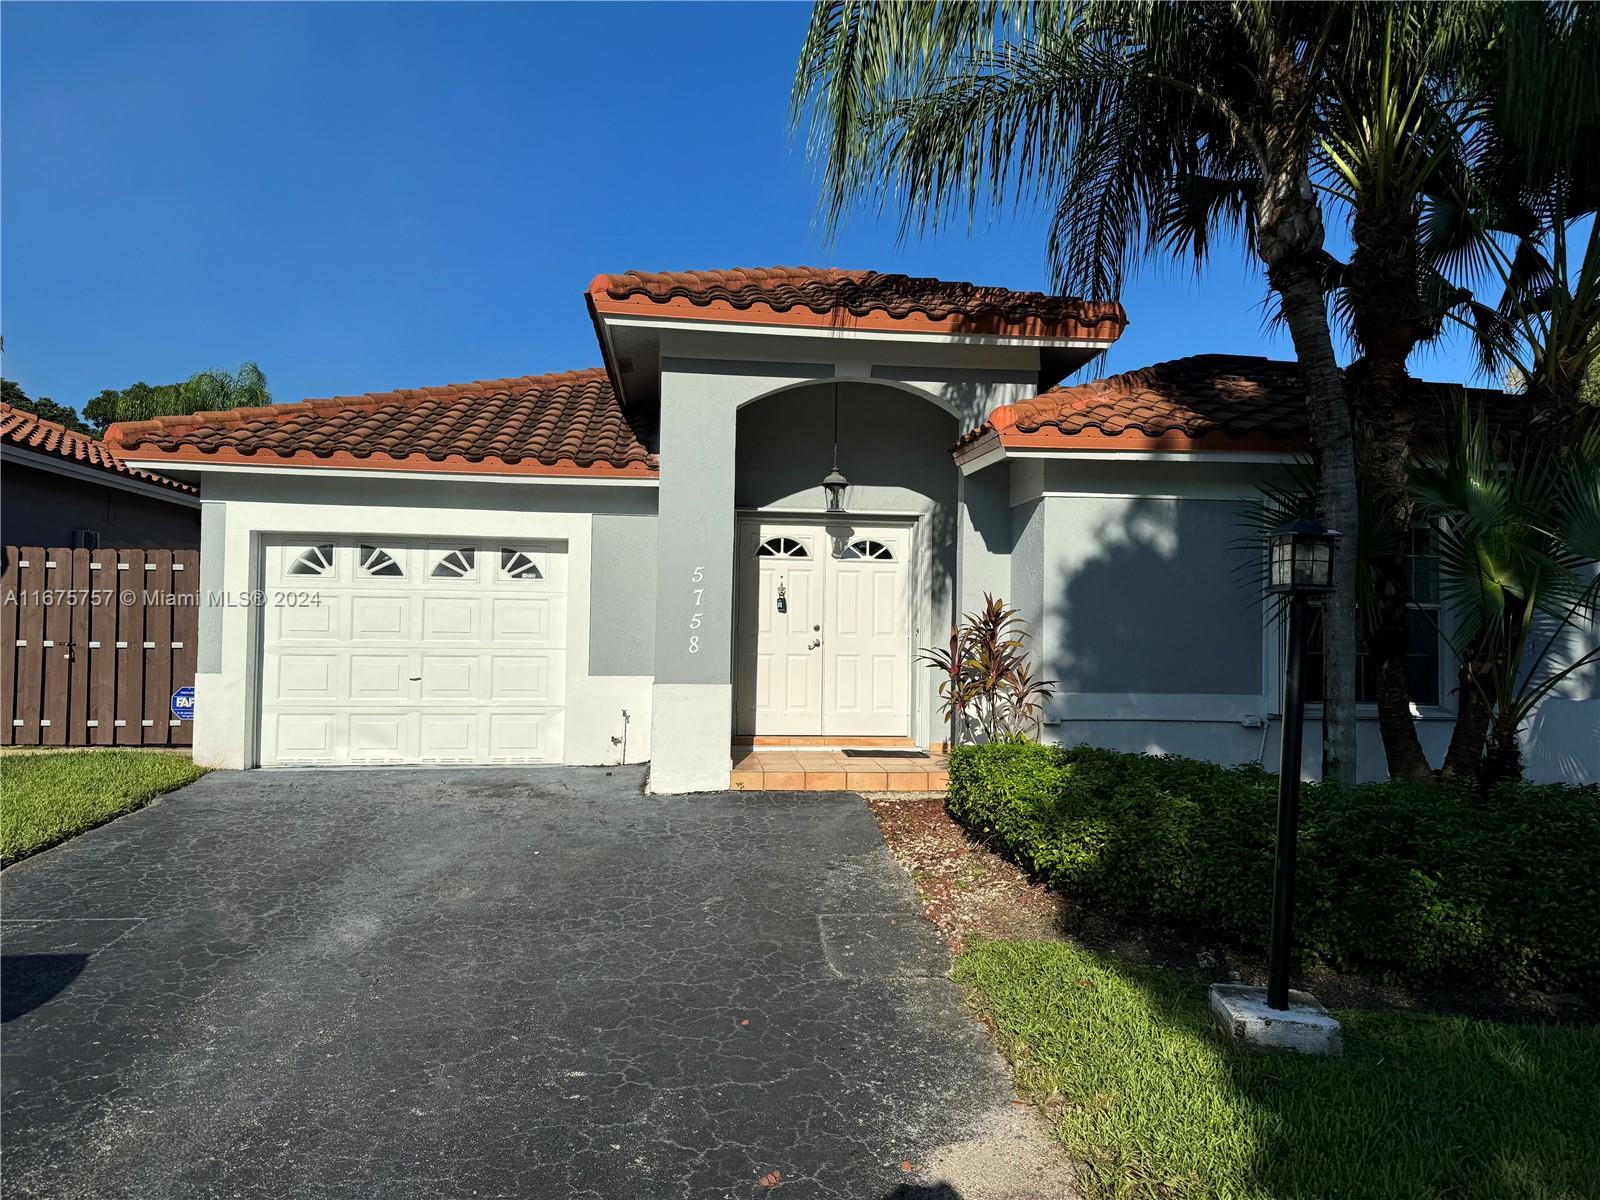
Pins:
x,y
368,196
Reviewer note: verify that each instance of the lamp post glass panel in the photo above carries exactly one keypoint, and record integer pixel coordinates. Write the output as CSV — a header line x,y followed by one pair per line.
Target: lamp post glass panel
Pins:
x,y
834,484
1301,567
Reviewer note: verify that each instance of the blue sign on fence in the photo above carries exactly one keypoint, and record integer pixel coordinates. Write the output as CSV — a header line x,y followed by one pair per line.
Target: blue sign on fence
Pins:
x,y
183,704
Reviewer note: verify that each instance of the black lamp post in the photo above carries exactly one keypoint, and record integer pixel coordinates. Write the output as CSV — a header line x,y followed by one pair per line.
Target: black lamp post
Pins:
x,y
1301,567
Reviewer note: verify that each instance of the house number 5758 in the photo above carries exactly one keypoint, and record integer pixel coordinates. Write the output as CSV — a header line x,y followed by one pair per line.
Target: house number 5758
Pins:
x,y
696,616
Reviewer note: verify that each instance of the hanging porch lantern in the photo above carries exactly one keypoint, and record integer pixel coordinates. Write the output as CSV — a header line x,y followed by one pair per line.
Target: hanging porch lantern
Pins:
x,y
834,482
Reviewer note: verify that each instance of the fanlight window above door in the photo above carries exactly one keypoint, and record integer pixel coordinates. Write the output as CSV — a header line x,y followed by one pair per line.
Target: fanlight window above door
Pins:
x,y
519,564
378,562
867,548
460,563
782,547
314,560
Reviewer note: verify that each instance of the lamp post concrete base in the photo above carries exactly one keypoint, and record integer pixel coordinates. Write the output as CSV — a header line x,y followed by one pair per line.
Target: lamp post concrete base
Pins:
x,y
1243,1016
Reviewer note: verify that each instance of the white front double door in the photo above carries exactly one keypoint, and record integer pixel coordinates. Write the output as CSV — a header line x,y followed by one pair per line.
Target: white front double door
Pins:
x,y
823,641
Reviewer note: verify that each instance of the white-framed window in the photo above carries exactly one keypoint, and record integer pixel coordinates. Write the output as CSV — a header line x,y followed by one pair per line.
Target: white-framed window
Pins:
x,y
782,547
313,560
455,562
1423,654
519,564
867,548
374,562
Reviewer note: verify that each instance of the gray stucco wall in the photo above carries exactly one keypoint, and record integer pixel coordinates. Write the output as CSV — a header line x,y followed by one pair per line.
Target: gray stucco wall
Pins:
x,y
1150,595
622,625
1027,572
41,508
893,447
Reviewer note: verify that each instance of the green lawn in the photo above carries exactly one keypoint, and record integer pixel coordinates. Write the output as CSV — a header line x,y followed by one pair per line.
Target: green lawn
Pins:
x,y
50,796
1139,1087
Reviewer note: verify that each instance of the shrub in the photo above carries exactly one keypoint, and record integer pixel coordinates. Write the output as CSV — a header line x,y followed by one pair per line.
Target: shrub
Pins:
x,y
1405,880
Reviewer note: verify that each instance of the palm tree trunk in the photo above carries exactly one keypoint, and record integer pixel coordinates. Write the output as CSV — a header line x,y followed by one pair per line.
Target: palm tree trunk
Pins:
x,y
1384,292
1502,760
1306,313
1464,758
1290,241
1385,420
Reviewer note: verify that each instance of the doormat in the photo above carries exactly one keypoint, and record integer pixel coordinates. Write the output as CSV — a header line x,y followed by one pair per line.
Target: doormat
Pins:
x,y
886,754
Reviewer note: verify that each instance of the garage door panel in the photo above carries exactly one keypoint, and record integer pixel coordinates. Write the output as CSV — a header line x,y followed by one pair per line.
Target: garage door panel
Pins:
x,y
451,676
382,736
416,651
380,618
527,677
452,618
305,736
524,736
302,676
380,676
533,620
448,737
310,622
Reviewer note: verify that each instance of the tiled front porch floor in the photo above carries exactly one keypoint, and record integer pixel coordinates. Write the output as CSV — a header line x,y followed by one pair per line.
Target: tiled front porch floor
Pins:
x,y
794,769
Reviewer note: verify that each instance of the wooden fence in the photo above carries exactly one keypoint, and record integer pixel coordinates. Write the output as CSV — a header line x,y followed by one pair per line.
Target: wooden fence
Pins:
x,y
93,643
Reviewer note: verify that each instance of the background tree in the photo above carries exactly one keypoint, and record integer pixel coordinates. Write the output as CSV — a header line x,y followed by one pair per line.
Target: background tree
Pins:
x,y
1147,128
43,407
206,391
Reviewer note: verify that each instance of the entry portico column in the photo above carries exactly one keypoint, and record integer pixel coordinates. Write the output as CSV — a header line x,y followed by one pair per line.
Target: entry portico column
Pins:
x,y
691,732
692,708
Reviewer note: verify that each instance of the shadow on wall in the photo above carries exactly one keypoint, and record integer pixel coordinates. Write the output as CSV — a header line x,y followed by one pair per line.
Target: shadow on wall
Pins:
x,y
1150,596
1562,741
894,448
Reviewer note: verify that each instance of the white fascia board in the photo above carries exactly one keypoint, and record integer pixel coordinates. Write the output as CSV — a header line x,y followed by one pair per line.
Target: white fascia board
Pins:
x,y
371,473
863,335
971,464
1262,458
75,470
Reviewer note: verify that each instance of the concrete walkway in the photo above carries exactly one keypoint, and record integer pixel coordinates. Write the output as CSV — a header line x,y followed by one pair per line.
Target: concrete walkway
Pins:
x,y
491,983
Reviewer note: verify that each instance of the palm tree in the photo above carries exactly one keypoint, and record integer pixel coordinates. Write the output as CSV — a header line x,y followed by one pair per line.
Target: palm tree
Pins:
x,y
1519,537
1148,127
1446,136
1395,137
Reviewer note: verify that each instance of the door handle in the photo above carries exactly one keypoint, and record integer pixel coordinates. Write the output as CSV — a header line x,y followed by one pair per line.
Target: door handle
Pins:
x,y
814,644
416,679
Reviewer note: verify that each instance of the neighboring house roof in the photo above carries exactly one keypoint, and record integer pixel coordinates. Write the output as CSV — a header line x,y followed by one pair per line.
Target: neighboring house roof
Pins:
x,y
824,297
1204,402
24,431
562,424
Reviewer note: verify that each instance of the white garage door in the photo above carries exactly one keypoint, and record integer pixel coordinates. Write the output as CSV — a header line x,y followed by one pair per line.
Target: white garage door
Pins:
x,y
386,651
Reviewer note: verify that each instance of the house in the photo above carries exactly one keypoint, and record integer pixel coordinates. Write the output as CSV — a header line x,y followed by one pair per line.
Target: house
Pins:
x,y
59,487
638,561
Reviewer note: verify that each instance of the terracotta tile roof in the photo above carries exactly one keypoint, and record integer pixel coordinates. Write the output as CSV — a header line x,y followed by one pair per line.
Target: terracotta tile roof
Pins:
x,y
828,296
28,432
562,424
1207,401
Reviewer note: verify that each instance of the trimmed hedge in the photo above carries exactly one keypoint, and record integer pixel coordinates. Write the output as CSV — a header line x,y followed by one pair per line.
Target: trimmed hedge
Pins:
x,y
1408,881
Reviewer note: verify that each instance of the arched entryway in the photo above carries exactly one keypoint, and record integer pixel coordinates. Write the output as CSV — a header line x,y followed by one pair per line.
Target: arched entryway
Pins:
x,y
831,607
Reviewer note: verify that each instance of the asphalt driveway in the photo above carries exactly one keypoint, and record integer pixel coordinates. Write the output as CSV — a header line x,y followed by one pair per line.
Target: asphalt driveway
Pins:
x,y
485,984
